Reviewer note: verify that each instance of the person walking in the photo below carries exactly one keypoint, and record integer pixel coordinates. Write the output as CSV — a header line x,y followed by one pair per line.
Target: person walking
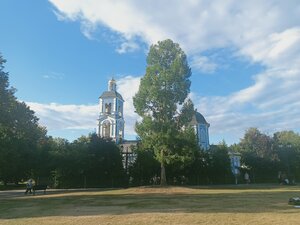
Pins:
x,y
246,177
279,177
28,186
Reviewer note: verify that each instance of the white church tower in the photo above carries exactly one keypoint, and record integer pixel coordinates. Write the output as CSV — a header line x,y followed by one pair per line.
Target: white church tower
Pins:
x,y
111,120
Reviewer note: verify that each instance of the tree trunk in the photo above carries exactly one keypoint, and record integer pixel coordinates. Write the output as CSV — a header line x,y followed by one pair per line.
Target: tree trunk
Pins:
x,y
163,179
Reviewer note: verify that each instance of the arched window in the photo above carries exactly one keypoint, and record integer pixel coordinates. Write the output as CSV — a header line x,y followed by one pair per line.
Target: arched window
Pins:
x,y
108,108
106,129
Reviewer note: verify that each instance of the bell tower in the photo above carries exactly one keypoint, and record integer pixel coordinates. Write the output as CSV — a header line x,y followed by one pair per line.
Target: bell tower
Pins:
x,y
111,120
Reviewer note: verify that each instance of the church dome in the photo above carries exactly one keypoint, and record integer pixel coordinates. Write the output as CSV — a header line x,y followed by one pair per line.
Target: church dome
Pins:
x,y
111,94
198,118
112,91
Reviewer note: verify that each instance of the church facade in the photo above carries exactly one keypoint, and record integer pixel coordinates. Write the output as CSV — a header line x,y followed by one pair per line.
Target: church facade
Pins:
x,y
111,120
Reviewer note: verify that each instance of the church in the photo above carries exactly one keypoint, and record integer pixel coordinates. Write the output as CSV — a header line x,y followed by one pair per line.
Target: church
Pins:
x,y
111,125
111,120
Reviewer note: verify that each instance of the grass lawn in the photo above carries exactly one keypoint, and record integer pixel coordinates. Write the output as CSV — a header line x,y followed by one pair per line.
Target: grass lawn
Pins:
x,y
259,204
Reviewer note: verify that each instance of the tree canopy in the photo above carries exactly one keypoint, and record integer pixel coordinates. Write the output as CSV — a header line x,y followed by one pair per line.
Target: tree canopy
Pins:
x,y
20,132
267,156
164,87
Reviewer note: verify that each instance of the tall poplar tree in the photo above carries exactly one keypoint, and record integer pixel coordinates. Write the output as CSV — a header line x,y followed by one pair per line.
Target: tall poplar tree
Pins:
x,y
162,90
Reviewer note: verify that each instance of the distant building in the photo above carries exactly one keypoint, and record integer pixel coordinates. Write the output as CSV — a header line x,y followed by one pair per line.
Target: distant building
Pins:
x,y
111,120
235,164
201,130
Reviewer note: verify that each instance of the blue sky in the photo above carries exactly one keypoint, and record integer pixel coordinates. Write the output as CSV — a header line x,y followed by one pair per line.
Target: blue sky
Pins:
x,y
244,58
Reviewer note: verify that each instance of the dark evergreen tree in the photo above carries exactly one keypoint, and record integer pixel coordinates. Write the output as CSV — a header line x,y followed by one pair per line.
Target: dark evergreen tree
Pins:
x,y
219,165
145,169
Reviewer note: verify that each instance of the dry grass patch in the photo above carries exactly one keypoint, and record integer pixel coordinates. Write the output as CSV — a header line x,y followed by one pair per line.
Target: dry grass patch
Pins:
x,y
153,205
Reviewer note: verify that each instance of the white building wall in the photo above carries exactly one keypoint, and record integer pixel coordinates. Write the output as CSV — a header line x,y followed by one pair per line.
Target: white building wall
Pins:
x,y
203,136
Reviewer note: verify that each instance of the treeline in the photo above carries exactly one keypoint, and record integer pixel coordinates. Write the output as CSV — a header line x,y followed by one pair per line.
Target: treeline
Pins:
x,y
263,157
270,158
203,167
86,162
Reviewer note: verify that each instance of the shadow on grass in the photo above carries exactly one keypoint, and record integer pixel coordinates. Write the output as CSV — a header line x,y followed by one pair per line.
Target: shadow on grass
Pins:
x,y
119,202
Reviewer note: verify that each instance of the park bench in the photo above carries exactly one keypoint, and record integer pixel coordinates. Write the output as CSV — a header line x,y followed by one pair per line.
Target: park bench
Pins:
x,y
39,187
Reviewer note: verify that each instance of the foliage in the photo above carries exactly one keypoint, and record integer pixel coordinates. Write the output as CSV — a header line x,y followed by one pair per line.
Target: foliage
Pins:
x,y
88,162
145,169
219,171
287,146
165,86
258,143
19,133
266,156
198,171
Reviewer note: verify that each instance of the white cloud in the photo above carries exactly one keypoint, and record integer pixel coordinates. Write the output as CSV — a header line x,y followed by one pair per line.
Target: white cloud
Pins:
x,y
271,104
264,32
127,47
54,75
204,64
196,25
119,16
58,116
276,50
128,86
